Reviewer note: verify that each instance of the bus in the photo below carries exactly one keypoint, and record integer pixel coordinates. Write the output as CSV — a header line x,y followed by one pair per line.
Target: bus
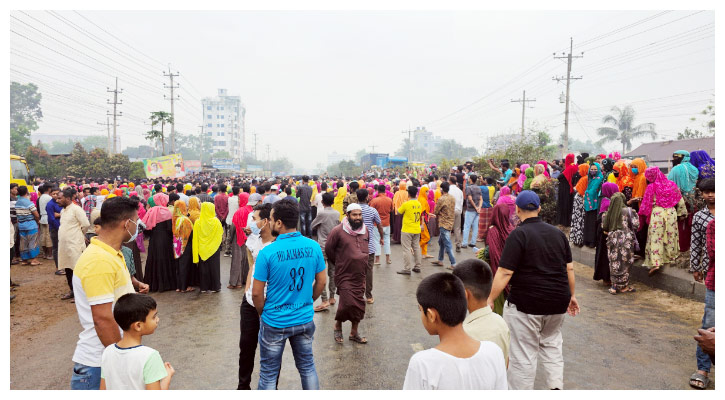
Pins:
x,y
19,172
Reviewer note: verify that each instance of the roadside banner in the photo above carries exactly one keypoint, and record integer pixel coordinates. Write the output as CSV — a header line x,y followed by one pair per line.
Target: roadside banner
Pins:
x,y
192,165
171,166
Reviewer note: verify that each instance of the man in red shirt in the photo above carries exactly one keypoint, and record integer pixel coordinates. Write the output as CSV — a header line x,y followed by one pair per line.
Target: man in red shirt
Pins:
x,y
384,205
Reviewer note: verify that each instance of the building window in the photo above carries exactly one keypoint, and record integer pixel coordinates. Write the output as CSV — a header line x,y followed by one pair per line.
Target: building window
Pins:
x,y
222,107
222,125
208,116
222,117
208,125
222,143
208,107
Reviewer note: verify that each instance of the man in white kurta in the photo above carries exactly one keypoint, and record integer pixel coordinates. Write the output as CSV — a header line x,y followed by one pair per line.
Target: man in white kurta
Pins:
x,y
71,235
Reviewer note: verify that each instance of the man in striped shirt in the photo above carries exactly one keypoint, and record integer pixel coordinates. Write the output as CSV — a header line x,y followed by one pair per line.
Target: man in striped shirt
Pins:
x,y
371,219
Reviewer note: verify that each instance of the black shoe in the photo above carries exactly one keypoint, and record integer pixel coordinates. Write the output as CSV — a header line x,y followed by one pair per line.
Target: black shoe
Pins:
x,y
416,269
471,245
13,284
403,272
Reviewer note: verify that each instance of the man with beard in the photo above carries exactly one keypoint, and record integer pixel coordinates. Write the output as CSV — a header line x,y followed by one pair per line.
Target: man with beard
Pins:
x,y
347,248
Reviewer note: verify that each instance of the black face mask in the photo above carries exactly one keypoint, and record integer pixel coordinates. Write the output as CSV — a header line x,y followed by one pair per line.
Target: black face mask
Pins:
x,y
616,174
677,160
592,174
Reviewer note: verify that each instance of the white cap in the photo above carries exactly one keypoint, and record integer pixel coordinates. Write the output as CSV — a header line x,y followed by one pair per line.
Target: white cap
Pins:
x,y
274,187
353,206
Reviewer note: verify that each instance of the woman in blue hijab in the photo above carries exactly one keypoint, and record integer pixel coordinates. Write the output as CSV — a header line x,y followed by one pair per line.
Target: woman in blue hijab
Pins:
x,y
683,173
591,204
702,161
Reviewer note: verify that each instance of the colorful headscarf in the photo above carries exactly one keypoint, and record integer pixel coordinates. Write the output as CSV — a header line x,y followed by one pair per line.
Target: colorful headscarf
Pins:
x,y
569,170
181,224
625,178
240,218
612,220
522,178
338,203
401,196
581,185
208,234
423,199
660,191
702,161
539,177
608,189
546,169
194,209
529,178
591,196
499,230
640,181
684,174
159,213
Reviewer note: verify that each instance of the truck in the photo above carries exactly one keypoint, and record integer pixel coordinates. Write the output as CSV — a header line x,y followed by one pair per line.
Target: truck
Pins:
x,y
20,173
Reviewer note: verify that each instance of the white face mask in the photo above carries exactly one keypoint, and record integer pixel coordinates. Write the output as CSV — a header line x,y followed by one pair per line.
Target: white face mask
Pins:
x,y
256,229
139,225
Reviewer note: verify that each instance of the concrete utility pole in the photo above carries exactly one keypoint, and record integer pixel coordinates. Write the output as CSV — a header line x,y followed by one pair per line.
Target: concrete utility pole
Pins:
x,y
373,147
201,144
569,59
115,114
108,129
173,120
255,145
523,101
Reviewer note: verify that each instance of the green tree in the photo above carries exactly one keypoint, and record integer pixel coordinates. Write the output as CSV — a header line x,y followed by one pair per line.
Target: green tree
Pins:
x,y
688,133
163,118
622,128
136,170
25,113
221,154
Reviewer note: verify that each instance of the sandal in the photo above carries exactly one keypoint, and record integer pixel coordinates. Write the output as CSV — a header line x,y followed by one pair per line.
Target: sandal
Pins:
x,y
357,338
612,290
35,263
332,302
628,289
321,308
371,300
698,377
390,261
66,296
60,272
437,263
653,271
338,336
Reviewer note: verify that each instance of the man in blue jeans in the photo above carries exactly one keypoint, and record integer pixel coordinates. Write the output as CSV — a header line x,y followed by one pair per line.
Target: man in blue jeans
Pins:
x,y
446,214
292,271
474,202
304,193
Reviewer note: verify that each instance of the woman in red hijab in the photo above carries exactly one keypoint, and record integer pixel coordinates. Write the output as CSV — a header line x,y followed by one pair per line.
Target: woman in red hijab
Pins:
x,y
495,240
565,196
240,264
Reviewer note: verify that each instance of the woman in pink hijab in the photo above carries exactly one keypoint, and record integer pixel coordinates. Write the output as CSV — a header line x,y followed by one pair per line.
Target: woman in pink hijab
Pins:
x,y
160,273
522,176
506,198
546,167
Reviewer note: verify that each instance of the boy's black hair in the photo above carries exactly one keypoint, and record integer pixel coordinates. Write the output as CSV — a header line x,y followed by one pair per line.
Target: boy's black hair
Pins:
x,y
362,195
288,190
354,186
444,293
197,190
12,185
235,190
172,198
412,192
474,178
328,199
22,190
381,188
68,192
131,308
93,190
445,186
707,185
264,210
476,276
42,189
246,188
116,209
180,187
54,189
323,186
157,188
287,211
204,187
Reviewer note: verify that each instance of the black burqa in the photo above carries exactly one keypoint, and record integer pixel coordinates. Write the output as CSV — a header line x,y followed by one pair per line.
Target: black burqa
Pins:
x,y
160,273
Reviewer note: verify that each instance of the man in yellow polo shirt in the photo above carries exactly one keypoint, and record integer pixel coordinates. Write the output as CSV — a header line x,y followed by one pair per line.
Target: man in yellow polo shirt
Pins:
x,y
100,277
410,232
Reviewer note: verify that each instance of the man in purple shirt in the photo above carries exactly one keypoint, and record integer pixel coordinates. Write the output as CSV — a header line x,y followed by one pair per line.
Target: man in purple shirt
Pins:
x,y
53,209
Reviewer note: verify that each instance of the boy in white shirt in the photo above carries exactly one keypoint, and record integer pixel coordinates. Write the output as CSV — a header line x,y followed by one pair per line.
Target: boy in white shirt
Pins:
x,y
459,361
128,364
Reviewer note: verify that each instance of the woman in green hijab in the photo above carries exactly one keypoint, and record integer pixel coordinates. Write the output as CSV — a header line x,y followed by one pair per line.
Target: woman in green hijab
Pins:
x,y
619,224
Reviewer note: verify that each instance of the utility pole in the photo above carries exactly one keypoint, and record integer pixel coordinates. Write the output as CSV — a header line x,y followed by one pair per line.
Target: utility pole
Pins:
x,y
173,120
523,102
269,166
255,145
373,147
201,144
569,57
115,114
108,129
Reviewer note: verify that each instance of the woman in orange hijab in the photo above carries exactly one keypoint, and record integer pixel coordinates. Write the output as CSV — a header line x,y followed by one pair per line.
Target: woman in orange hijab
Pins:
x,y
638,166
576,235
424,211
625,180
400,197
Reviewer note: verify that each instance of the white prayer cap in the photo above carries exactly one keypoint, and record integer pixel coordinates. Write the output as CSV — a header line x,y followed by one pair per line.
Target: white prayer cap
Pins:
x,y
353,206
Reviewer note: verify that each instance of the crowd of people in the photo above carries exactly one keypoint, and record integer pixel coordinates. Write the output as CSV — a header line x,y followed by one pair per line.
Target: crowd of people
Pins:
x,y
293,240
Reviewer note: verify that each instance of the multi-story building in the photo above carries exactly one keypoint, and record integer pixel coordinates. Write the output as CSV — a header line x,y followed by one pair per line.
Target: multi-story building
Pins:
x,y
224,123
424,140
335,157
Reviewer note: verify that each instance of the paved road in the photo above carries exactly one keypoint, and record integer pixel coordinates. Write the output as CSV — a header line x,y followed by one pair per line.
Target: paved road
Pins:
x,y
638,341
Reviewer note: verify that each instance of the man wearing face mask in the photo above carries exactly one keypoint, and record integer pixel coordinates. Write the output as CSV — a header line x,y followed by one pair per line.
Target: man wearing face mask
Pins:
x,y
71,236
100,277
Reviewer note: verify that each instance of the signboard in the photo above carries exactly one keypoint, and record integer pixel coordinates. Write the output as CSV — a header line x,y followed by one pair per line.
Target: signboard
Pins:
x,y
171,166
251,167
225,163
192,165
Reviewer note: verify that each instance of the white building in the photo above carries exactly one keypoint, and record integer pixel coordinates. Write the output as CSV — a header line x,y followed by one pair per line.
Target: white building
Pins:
x,y
424,140
335,157
224,123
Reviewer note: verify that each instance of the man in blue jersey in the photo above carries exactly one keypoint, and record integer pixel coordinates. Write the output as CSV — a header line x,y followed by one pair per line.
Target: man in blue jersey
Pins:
x,y
292,270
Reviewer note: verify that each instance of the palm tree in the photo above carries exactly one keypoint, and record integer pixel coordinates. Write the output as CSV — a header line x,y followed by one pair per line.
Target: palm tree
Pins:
x,y
159,117
623,129
153,136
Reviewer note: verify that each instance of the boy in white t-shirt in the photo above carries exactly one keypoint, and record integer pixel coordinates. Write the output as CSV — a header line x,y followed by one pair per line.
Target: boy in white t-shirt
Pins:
x,y
129,365
459,361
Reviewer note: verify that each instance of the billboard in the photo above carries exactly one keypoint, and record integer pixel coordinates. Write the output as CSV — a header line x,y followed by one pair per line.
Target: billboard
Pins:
x,y
225,163
192,165
171,166
251,167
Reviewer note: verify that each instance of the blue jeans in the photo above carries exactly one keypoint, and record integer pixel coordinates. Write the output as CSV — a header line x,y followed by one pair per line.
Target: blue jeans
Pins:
x,y
470,219
305,221
85,377
271,347
386,238
708,321
444,244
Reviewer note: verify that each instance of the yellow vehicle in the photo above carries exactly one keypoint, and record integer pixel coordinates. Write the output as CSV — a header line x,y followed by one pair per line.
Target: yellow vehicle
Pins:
x,y
19,172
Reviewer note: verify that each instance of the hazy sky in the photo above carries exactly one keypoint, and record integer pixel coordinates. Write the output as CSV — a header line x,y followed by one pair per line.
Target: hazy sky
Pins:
x,y
316,82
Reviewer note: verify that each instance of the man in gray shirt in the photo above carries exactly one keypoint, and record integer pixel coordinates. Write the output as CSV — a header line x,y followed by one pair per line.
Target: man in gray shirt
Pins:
x,y
323,223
